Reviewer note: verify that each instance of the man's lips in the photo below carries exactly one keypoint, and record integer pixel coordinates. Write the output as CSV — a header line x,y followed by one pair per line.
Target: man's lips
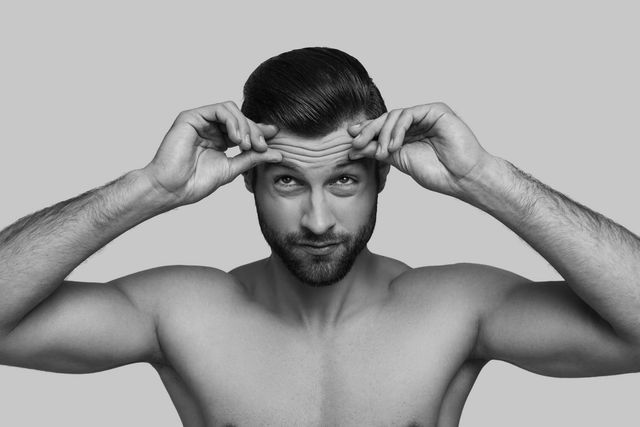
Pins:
x,y
323,248
318,245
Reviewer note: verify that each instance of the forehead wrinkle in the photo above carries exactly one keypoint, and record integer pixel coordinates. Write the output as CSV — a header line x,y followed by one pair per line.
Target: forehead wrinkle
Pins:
x,y
336,137
283,140
300,162
302,153
311,151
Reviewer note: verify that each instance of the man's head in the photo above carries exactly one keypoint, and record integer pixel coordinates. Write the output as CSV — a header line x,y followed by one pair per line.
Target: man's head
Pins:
x,y
317,208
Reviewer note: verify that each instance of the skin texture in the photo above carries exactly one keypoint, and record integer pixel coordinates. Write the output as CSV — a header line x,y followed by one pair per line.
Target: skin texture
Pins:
x,y
386,344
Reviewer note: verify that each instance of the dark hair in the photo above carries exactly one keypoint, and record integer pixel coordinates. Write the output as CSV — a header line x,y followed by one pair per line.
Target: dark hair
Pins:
x,y
311,91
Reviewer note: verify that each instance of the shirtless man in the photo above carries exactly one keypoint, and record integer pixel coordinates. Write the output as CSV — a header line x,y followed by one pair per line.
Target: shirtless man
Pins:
x,y
323,332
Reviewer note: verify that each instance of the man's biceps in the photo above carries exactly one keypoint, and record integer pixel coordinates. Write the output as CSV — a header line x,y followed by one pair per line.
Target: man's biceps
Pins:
x,y
82,327
525,317
546,328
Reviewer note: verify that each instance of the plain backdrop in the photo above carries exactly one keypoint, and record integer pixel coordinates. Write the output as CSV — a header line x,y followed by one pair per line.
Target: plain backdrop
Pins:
x,y
88,90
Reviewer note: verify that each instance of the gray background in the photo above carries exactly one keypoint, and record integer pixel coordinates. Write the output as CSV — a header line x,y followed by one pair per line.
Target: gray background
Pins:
x,y
88,92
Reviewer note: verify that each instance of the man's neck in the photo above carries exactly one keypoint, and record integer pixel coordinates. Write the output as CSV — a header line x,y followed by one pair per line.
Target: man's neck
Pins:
x,y
325,307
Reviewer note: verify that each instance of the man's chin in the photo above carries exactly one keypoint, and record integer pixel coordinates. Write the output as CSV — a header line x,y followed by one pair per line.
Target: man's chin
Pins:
x,y
320,270
320,280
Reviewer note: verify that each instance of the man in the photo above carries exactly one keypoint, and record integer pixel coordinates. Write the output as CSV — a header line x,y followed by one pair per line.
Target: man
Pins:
x,y
323,332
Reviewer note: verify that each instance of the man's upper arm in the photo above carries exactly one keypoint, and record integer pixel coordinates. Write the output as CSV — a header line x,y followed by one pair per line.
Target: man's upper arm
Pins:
x,y
546,328
88,327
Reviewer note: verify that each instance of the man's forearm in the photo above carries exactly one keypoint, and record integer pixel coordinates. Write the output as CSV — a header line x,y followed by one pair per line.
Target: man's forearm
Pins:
x,y
39,251
598,258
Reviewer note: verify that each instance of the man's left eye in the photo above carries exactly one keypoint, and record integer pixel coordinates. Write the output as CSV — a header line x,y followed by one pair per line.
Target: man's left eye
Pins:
x,y
345,180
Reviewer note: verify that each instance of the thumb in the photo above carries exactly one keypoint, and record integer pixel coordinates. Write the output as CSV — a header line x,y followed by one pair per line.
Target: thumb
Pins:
x,y
249,159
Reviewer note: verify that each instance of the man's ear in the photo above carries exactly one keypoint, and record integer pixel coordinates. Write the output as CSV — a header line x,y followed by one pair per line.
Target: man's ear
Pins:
x,y
249,179
382,171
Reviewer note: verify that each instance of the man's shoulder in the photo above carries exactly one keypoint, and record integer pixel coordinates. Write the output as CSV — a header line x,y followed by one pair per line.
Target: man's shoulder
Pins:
x,y
175,285
461,282
185,275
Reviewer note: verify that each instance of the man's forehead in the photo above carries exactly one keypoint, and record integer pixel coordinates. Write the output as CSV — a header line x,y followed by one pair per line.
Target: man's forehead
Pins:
x,y
300,152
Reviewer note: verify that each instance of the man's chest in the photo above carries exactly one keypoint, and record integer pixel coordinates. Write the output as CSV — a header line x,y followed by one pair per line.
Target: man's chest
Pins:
x,y
377,370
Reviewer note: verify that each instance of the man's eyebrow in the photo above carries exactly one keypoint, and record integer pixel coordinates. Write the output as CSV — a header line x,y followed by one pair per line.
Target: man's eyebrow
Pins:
x,y
349,162
283,164
292,166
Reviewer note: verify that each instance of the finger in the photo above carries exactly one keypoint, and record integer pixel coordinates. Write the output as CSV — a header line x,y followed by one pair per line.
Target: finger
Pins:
x,y
397,139
223,127
217,145
369,132
210,119
243,124
269,131
368,151
355,129
249,159
384,135
402,125
258,142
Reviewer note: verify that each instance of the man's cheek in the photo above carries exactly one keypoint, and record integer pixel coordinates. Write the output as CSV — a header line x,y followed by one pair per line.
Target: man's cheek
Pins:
x,y
355,211
278,211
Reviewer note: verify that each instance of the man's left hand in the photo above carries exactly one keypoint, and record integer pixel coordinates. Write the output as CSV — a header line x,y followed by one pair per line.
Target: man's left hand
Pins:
x,y
428,142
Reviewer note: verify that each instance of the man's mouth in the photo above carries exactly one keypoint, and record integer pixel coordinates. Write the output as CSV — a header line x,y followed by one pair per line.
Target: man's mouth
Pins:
x,y
319,248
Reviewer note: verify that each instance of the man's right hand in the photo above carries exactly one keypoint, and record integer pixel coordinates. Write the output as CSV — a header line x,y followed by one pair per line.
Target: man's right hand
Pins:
x,y
191,162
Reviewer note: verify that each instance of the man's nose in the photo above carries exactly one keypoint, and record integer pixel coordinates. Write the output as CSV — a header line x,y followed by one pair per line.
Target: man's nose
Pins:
x,y
318,216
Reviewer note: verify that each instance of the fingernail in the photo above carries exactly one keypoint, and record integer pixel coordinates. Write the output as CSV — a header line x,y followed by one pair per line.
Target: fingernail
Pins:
x,y
246,139
390,144
262,140
356,156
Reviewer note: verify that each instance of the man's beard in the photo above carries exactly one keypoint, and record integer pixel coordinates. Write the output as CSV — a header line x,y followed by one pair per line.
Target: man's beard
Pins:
x,y
318,270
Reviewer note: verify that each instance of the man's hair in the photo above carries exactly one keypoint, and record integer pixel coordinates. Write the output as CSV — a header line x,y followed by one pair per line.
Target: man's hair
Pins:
x,y
311,91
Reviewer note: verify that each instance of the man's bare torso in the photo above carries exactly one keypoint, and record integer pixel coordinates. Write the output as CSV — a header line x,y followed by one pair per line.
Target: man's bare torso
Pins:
x,y
405,360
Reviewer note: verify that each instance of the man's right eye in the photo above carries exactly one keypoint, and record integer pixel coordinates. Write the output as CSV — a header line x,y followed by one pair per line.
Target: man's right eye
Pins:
x,y
285,180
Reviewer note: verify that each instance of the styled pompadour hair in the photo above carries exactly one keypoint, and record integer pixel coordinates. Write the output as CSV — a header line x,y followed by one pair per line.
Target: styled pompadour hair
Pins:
x,y
311,91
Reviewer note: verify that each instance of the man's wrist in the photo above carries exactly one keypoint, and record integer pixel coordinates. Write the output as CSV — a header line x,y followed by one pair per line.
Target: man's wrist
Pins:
x,y
492,186
153,198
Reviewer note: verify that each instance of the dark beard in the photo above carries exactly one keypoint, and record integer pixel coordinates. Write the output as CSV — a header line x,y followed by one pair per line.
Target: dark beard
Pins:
x,y
318,270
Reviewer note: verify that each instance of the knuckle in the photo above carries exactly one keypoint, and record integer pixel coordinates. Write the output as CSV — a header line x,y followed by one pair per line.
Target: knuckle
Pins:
x,y
442,106
183,114
408,111
229,104
406,117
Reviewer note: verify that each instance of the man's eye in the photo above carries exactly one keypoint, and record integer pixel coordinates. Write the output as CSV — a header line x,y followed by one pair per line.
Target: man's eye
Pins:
x,y
285,180
345,180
